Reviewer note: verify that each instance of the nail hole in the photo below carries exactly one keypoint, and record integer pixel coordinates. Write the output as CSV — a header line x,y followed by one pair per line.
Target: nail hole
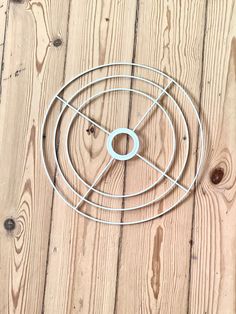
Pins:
x,y
57,42
9,224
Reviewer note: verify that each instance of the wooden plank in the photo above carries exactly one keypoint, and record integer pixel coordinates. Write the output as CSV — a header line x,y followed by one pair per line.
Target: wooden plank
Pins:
x,y
83,255
94,268
33,68
154,257
3,18
213,274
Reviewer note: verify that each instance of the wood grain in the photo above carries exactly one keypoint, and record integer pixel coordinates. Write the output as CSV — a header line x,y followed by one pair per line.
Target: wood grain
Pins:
x,y
213,255
30,62
52,260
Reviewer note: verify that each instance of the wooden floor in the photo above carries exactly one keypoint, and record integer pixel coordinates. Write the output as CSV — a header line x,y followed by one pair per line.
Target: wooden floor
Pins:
x,y
53,260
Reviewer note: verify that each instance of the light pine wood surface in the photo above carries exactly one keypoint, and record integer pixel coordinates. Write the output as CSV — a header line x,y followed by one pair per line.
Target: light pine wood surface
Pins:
x,y
56,261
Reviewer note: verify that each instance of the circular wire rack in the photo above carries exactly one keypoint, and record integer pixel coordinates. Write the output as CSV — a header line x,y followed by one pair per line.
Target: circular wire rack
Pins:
x,y
126,84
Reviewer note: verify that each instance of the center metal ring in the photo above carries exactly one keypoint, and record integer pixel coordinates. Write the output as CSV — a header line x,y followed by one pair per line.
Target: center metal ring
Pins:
x,y
111,138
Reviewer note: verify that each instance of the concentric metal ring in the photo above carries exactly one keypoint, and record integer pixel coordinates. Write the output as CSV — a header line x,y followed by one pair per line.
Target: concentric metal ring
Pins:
x,y
67,147
174,181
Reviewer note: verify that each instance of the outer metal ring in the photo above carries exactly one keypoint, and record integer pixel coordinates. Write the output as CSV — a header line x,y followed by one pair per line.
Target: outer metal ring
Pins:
x,y
198,167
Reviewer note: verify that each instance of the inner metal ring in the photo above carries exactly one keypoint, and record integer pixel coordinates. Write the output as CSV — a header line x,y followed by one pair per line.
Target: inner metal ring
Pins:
x,y
111,138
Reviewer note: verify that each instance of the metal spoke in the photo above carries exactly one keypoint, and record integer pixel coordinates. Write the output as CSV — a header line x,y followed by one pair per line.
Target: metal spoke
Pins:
x,y
153,104
163,173
83,115
95,181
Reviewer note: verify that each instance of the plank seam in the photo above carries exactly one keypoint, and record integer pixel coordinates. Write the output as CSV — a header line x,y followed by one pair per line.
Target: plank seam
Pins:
x,y
195,185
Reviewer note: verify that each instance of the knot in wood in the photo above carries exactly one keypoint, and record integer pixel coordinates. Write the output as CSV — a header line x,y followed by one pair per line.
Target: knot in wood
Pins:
x,y
217,175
